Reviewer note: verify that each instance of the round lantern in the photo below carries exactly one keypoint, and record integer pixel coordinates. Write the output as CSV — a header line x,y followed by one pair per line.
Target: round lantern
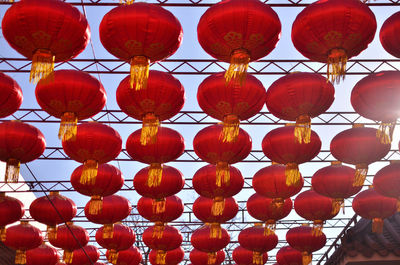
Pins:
x,y
339,37
169,145
198,257
94,144
375,97
11,95
210,149
52,210
389,34
11,210
20,143
86,255
22,237
336,182
130,33
358,146
300,97
244,256
370,204
163,211
161,100
387,181
172,257
280,145
72,96
59,36
42,255
304,240
130,256
201,240
230,103
289,256
232,31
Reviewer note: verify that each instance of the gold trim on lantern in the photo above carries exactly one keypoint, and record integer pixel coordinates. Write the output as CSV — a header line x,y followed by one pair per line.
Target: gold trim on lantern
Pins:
x,y
155,175
222,173
302,130
89,172
360,175
68,127
139,71
237,70
42,66
292,174
336,68
150,124
230,129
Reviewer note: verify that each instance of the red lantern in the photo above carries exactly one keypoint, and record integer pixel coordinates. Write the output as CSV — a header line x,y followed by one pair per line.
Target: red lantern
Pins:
x,y
300,97
205,210
130,33
230,103
21,238
389,35
69,237
198,257
161,100
339,36
265,210
210,149
369,204
358,146
11,95
280,145
172,182
304,240
11,210
168,146
336,182
376,97
72,96
314,207
52,210
289,256
42,255
233,32
387,181
202,240
80,255
271,182
122,239
244,256
95,144
46,32
256,240
130,256
164,211
20,143
172,257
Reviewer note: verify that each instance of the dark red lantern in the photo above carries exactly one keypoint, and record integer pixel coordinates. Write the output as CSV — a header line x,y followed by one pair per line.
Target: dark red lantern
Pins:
x,y
46,32
339,36
80,255
266,210
280,145
387,181
202,240
42,255
160,211
130,256
94,144
22,237
370,204
20,143
52,210
172,257
198,257
11,210
244,256
169,145
376,97
130,33
232,31
72,96
360,147
289,256
389,34
230,103
210,149
161,100
336,182
206,211
11,95
300,97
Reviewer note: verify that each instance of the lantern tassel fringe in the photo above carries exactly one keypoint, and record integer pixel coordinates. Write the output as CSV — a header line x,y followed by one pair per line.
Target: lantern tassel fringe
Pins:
x,y
108,231
3,233
113,257
270,228
149,130
20,257
52,232
377,225
307,258
68,127
337,204
139,72
257,258
385,132
155,175
89,172
67,257
211,258
42,66
238,67
302,130
278,202
317,228
158,230
230,129
96,205
160,257
218,206
12,171
222,174
336,61
361,174
159,206
215,231
292,174
126,2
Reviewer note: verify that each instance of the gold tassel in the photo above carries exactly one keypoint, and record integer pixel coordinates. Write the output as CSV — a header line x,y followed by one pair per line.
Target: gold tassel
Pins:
x,y
361,174
215,230
218,206
96,205
257,258
149,130
155,175
89,172
240,59
126,2
12,170
68,127
222,174
337,204
270,228
302,130
211,258
20,256
307,258
42,66
377,225
385,132
68,255
52,232
317,228
113,256
292,174
160,257
139,71
158,230
3,233
337,60
108,231
278,202
158,205
230,129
